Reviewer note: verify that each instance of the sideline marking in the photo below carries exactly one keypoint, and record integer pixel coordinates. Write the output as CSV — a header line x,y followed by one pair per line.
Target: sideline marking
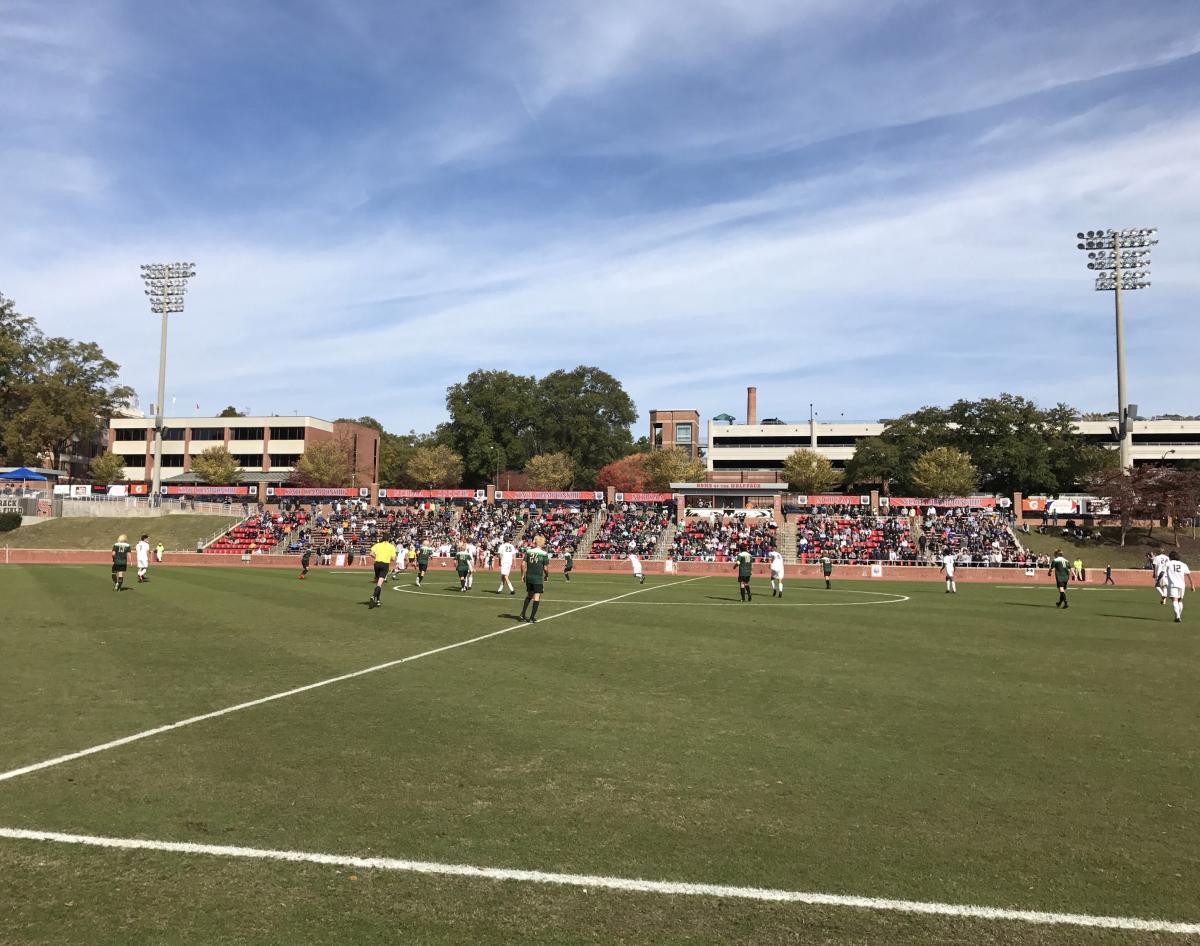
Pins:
x,y
489,596
615,883
146,734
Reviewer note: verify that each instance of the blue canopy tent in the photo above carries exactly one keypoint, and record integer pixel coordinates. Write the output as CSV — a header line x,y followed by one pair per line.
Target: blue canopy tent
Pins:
x,y
22,473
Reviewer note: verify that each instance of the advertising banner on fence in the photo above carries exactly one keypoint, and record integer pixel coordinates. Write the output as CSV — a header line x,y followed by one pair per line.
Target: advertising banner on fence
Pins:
x,y
315,492
431,494
728,487
206,490
944,502
644,497
543,495
833,500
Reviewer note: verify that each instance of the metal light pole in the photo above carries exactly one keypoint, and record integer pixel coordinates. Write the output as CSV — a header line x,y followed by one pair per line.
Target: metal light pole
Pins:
x,y
1121,260
166,284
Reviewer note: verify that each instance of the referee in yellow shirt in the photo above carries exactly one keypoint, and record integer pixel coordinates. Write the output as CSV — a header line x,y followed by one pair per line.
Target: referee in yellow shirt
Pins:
x,y
384,553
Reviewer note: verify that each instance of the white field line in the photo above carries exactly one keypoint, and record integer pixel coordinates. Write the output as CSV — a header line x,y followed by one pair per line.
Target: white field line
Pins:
x,y
157,730
673,888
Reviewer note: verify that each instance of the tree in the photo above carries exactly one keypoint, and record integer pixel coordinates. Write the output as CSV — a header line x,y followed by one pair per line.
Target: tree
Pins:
x,y
366,421
216,466
1129,493
231,411
672,465
492,417
107,468
944,471
1177,495
807,471
324,463
550,471
875,460
435,465
586,414
627,475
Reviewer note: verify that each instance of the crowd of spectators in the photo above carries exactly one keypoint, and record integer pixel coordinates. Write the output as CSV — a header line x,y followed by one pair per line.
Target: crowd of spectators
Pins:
x,y
563,527
631,527
851,536
487,526
352,526
974,537
719,540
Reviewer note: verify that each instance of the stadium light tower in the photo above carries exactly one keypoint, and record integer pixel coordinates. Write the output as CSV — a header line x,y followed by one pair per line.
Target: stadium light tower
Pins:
x,y
165,285
1121,260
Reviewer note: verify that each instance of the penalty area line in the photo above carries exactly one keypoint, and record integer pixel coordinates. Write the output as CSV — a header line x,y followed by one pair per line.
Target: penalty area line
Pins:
x,y
630,885
191,720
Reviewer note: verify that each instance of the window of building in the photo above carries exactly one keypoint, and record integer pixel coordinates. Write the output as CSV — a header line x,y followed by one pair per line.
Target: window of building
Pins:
x,y
284,459
208,433
129,433
683,435
169,459
172,433
287,433
245,433
249,461
656,439
133,459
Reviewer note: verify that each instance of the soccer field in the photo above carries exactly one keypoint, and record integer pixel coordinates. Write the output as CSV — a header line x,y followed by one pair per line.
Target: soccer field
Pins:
x,y
945,755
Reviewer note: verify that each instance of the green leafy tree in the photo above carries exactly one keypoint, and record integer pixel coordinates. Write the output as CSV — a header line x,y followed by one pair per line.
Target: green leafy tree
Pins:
x,y
944,471
807,471
324,463
586,414
231,411
492,413
627,475
366,421
672,465
875,460
107,468
550,471
435,465
216,466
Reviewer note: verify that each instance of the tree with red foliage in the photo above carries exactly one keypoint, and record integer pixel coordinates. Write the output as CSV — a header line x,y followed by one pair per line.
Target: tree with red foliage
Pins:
x,y
627,475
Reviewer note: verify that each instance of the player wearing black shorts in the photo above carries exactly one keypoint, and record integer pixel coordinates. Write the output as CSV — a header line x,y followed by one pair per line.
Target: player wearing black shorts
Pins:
x,y
536,560
120,562
384,553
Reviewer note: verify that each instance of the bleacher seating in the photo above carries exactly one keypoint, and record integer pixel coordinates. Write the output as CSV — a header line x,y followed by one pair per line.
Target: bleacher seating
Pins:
x,y
973,536
708,540
260,533
631,528
563,527
847,537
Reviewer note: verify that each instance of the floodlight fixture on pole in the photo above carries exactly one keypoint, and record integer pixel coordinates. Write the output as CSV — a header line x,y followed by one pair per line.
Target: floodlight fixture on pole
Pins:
x,y
1121,261
166,284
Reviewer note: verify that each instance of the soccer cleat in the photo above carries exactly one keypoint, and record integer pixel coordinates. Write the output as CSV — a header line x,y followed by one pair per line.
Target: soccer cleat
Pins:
x,y
1179,620
533,620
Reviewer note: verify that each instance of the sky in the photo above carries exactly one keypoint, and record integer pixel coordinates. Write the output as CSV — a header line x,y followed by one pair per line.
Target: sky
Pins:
x,y
870,205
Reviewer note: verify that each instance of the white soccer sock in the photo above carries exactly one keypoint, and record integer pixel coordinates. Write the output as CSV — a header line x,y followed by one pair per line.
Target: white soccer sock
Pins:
x,y
1162,592
954,587
1177,604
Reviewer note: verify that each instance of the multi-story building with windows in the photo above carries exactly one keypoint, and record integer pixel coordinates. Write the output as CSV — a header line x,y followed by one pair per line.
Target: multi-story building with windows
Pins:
x,y
676,429
266,448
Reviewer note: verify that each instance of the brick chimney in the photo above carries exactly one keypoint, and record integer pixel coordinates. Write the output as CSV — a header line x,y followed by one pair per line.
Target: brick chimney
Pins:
x,y
751,405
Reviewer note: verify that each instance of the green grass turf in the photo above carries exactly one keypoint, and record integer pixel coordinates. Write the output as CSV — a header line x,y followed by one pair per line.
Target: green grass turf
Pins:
x,y
1108,550
177,533
980,748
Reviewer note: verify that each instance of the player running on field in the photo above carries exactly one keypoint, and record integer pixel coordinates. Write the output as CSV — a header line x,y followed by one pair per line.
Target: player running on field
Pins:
x,y
827,570
305,561
120,562
744,563
534,571
568,564
948,563
636,564
508,554
473,553
776,561
1159,564
462,565
384,553
142,552
422,557
1176,575
1060,568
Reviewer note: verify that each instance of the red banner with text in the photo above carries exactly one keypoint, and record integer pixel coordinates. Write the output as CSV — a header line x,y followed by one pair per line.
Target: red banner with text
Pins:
x,y
206,490
535,495
427,494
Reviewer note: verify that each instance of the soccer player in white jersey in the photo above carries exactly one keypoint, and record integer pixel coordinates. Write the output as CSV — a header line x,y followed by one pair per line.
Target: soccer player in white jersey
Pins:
x,y
142,551
948,564
1175,576
473,549
776,562
1159,563
636,564
508,552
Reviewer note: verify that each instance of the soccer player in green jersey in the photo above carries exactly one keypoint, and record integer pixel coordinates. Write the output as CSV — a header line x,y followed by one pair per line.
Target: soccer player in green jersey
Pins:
x,y
827,570
1060,568
462,565
534,571
120,562
423,554
744,563
568,564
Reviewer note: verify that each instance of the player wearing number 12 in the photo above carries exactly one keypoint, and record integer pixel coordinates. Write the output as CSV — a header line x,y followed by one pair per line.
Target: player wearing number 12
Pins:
x,y
536,560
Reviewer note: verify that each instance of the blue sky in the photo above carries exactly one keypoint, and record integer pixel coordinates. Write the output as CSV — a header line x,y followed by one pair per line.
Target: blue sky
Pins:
x,y
868,204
